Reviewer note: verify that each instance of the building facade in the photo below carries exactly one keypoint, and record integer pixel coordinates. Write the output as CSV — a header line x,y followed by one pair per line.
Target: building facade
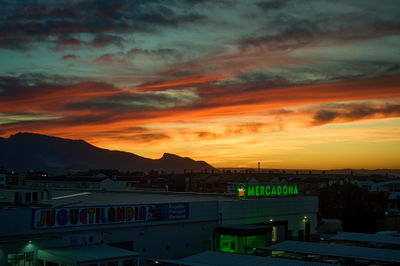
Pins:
x,y
131,227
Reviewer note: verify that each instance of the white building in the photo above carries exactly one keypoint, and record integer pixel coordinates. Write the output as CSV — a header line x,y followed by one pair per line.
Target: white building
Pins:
x,y
74,226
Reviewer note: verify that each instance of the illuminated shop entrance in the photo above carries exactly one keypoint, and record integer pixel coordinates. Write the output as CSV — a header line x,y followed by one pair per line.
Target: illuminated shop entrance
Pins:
x,y
235,239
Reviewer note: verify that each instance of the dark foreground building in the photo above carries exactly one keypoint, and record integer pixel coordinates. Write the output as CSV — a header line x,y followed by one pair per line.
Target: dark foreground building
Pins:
x,y
67,227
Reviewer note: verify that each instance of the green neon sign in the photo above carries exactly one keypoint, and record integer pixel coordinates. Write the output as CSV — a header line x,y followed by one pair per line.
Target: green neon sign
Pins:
x,y
259,191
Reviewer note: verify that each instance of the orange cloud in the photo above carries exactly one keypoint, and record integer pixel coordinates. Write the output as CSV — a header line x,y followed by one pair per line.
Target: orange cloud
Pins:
x,y
52,98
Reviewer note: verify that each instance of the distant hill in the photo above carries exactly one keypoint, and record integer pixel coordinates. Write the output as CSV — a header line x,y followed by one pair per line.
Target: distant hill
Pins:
x,y
28,151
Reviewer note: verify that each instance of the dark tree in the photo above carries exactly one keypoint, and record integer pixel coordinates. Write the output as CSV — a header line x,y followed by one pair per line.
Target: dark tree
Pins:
x,y
356,207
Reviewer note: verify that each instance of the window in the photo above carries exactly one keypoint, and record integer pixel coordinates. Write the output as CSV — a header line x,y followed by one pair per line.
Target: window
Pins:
x,y
25,259
228,243
28,197
35,197
274,233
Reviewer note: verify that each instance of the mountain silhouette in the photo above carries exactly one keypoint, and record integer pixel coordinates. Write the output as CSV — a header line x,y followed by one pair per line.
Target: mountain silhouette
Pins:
x,y
28,151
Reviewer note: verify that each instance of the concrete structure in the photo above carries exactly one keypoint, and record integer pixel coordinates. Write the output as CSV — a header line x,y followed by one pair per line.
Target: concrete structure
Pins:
x,y
143,225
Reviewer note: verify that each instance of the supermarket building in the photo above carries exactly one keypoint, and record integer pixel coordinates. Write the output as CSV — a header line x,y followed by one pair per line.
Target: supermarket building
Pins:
x,y
129,227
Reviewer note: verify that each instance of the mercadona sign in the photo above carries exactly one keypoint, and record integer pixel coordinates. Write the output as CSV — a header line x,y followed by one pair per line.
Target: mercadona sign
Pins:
x,y
263,191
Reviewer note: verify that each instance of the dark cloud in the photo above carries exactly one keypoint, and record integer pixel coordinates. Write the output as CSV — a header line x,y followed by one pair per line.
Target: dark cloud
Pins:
x,y
127,58
243,129
125,130
143,138
163,52
394,68
280,112
284,31
350,112
13,85
133,134
23,24
272,5
69,57
17,86
137,101
258,80
290,35
324,116
102,40
111,59
68,42
208,135
99,41
367,111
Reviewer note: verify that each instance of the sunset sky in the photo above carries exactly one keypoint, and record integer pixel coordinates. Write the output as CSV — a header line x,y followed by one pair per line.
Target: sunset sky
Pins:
x,y
289,84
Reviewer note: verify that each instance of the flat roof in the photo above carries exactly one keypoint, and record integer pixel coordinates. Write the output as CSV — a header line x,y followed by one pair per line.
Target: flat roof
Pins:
x,y
62,197
209,258
339,251
80,254
74,197
97,198
367,238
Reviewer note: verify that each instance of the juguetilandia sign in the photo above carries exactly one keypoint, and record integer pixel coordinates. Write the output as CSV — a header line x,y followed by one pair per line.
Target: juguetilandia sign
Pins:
x,y
259,191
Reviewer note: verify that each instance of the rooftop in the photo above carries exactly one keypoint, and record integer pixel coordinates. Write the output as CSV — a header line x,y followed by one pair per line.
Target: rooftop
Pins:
x,y
209,258
367,238
95,198
70,197
82,254
338,251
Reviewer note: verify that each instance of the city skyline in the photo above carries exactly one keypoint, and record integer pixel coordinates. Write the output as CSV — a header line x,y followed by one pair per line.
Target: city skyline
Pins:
x,y
290,84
